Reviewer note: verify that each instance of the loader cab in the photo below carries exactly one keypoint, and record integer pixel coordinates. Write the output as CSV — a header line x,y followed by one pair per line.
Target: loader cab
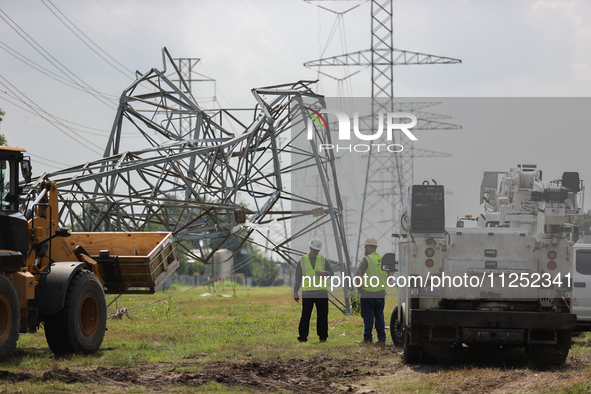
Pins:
x,y
10,161
13,225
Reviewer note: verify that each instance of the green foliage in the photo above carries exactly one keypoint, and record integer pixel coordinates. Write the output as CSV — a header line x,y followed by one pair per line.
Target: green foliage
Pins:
x,y
190,268
584,222
355,303
168,348
250,261
263,271
579,388
162,310
197,268
583,340
3,141
186,268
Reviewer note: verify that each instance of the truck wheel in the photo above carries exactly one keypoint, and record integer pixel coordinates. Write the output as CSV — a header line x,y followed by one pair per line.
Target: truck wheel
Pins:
x,y
427,358
80,326
411,354
10,317
396,329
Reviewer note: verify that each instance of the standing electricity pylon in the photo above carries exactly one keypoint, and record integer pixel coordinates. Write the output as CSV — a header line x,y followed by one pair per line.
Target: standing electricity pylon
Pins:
x,y
184,75
382,57
185,68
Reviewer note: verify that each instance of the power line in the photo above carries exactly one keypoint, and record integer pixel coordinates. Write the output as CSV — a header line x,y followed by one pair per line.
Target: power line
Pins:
x,y
122,21
69,74
89,39
43,159
108,39
55,122
100,133
11,51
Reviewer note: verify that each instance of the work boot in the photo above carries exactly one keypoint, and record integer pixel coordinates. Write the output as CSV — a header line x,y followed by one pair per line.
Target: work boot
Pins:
x,y
322,340
381,344
303,340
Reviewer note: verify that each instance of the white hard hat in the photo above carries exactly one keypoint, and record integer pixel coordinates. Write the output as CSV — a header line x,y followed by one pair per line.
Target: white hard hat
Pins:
x,y
315,244
371,241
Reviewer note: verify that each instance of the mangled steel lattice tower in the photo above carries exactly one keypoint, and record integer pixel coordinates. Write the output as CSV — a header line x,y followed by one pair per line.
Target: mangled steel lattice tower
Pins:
x,y
228,175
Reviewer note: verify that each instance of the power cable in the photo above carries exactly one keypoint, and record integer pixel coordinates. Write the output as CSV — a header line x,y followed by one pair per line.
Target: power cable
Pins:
x,y
122,21
103,134
211,280
44,161
89,39
216,99
108,39
100,132
55,122
51,59
45,71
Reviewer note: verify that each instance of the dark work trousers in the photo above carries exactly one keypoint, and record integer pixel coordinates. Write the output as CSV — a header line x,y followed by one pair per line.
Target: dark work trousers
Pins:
x,y
321,317
372,310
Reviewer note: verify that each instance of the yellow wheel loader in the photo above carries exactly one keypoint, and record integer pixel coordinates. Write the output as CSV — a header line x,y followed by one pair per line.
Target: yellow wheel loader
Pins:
x,y
58,278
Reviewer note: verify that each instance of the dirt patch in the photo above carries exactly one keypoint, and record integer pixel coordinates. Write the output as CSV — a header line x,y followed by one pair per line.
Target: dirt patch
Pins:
x,y
6,376
499,375
319,374
64,375
363,371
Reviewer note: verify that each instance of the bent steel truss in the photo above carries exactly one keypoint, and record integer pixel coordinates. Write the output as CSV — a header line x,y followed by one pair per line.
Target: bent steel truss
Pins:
x,y
226,176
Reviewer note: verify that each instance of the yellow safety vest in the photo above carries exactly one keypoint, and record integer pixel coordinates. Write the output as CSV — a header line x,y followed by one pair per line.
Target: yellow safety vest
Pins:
x,y
374,262
307,270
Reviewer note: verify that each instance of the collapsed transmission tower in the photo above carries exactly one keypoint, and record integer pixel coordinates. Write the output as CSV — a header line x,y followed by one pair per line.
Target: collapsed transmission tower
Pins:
x,y
226,177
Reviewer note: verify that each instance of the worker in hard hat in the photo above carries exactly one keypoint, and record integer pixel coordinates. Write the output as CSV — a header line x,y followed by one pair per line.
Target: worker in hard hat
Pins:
x,y
311,274
372,293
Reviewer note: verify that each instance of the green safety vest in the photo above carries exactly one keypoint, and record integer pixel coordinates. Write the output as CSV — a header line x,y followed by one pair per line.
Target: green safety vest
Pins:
x,y
307,270
374,262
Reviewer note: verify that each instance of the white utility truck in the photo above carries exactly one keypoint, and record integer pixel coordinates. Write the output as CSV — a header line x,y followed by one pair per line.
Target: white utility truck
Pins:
x,y
505,283
581,295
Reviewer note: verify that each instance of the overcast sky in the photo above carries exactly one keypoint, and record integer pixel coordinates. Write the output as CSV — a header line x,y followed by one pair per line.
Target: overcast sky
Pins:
x,y
508,48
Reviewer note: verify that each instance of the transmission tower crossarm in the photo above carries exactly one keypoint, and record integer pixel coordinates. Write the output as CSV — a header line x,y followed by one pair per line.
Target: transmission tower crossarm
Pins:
x,y
427,124
416,152
363,58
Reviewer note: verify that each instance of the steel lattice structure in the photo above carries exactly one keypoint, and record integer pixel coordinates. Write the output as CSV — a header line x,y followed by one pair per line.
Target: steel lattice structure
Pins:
x,y
382,57
224,177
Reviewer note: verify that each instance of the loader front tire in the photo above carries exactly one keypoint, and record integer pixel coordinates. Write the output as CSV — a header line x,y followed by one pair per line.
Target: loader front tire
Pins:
x,y
10,317
80,326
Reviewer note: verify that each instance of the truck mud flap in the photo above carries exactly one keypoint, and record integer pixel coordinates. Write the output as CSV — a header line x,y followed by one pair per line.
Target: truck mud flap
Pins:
x,y
548,354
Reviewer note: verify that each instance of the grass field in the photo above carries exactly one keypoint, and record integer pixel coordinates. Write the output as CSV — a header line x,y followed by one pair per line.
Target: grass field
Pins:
x,y
190,343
